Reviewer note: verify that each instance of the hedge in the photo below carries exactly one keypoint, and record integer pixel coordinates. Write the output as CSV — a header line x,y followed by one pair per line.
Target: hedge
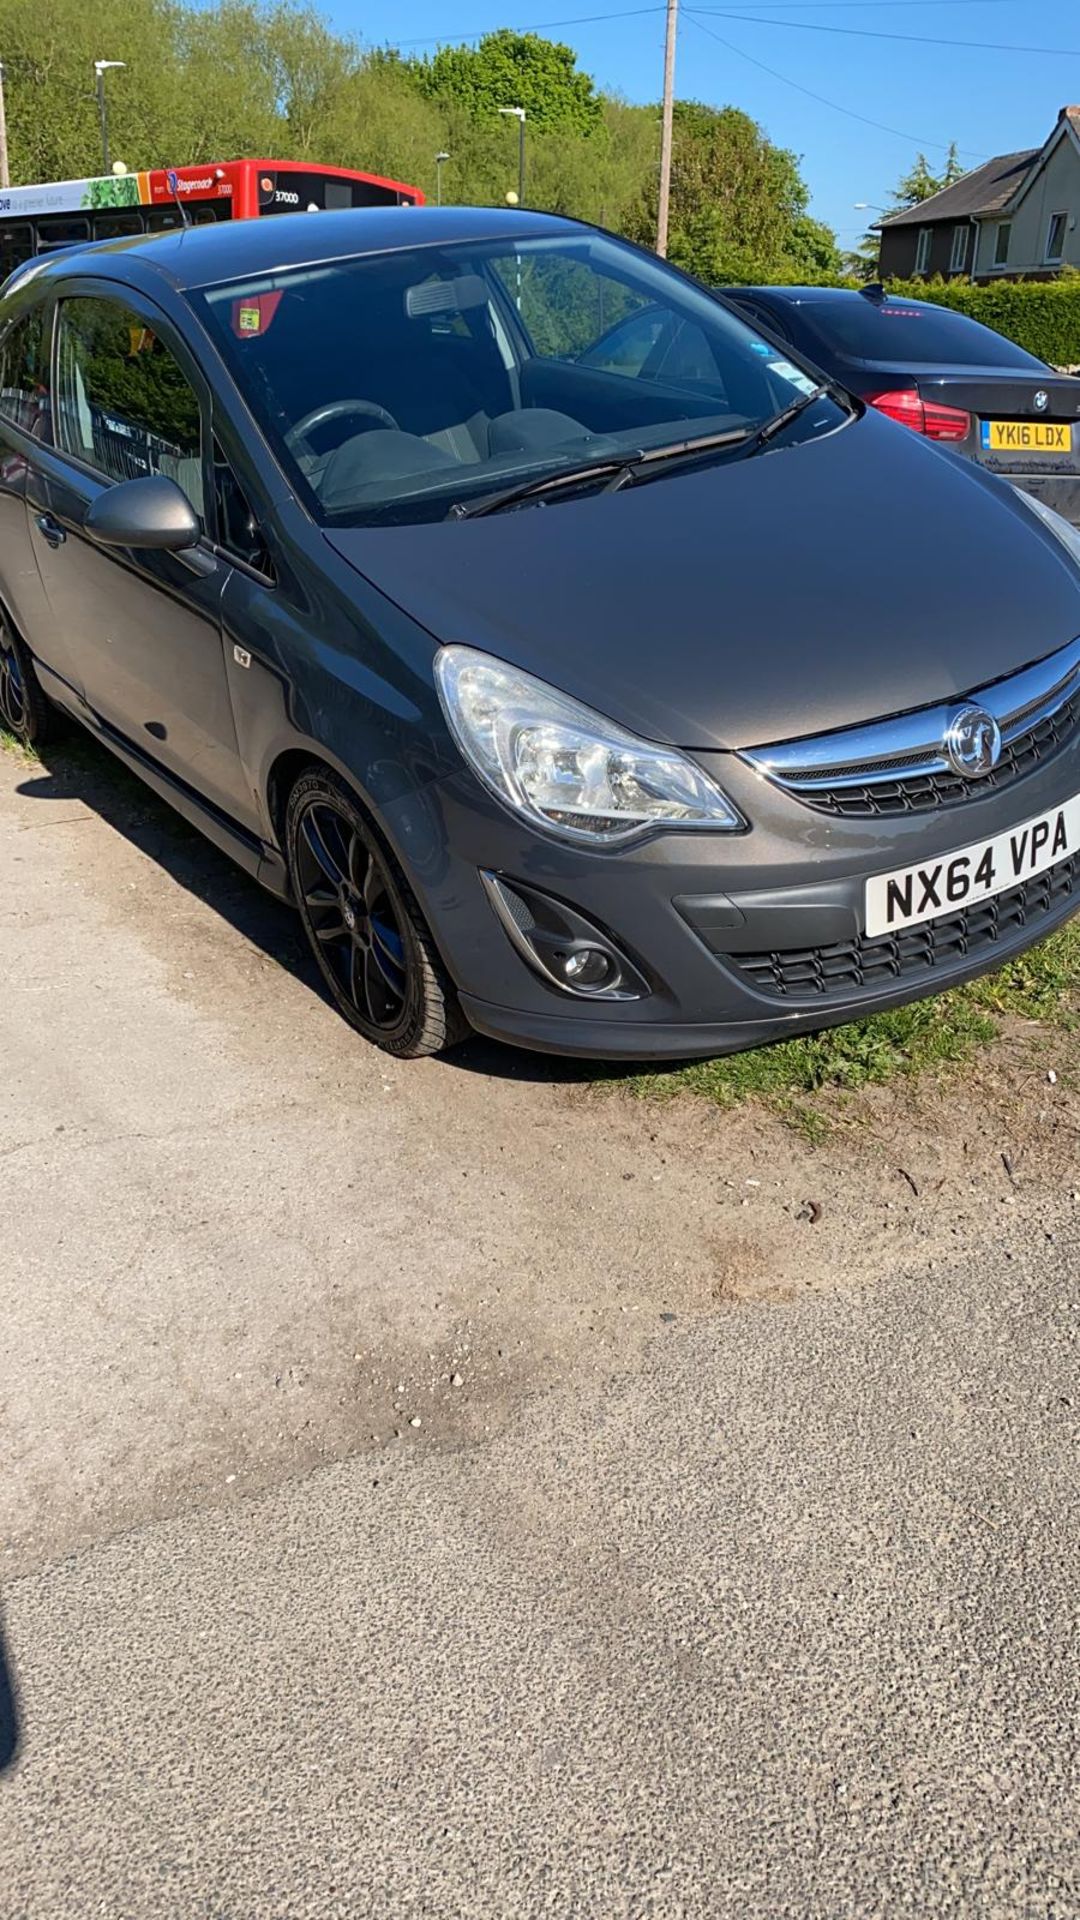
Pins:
x,y
1041,315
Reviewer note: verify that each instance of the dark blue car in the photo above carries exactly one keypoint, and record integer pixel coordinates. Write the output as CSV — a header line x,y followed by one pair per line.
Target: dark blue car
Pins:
x,y
939,373
547,675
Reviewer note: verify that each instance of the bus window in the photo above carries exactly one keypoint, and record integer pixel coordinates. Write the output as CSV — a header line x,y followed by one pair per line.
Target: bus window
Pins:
x,y
164,219
62,230
16,245
113,226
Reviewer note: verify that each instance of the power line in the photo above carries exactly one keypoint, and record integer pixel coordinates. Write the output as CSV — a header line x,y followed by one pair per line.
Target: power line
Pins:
x,y
911,138
536,26
864,6
877,33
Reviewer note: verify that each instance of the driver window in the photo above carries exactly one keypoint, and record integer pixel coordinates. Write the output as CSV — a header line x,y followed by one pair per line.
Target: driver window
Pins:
x,y
123,404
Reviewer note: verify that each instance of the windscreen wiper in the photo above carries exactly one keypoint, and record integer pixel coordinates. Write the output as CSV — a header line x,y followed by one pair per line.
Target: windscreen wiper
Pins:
x,y
616,473
787,414
537,487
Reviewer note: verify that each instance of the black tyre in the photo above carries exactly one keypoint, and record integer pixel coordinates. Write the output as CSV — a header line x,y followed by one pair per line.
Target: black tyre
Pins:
x,y
24,710
365,927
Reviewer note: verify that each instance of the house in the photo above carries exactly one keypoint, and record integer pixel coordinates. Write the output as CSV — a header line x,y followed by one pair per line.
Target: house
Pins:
x,y
1015,216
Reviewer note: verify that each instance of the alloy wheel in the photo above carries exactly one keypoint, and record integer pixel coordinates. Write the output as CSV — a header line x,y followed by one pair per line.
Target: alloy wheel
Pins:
x,y
13,701
351,913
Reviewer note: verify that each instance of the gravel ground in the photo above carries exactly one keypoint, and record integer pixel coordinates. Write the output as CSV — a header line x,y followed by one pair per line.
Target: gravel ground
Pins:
x,y
731,1568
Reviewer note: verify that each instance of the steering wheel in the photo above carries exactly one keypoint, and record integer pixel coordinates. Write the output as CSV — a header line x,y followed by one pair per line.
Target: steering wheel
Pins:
x,y
336,410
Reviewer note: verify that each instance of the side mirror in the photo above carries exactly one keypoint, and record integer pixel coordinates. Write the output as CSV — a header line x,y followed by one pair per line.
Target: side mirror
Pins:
x,y
152,512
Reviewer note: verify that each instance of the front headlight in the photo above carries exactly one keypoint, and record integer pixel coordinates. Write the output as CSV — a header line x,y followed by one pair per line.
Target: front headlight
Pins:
x,y
564,767
1061,528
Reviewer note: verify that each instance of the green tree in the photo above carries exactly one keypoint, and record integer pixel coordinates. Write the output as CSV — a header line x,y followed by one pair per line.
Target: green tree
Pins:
x,y
920,181
508,69
206,82
813,250
738,203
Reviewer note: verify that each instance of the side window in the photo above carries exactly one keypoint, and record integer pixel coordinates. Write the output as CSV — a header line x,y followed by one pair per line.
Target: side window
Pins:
x,y
123,403
66,230
628,346
110,225
238,528
776,323
16,245
565,304
688,357
24,373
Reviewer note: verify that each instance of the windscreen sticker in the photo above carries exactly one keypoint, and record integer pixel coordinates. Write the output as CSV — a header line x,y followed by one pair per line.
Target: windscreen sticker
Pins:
x,y
254,314
799,380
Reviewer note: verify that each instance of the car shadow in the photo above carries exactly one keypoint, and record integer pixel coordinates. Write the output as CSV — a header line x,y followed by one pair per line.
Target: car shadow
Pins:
x,y
79,769
9,1717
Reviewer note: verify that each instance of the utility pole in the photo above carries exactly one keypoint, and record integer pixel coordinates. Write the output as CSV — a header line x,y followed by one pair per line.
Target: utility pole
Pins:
x,y
5,176
666,129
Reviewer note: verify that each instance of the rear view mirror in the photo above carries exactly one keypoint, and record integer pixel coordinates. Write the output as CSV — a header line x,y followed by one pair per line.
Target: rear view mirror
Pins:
x,y
149,513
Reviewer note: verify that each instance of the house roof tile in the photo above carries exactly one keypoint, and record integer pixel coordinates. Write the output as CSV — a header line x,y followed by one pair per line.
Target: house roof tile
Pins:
x,y
983,190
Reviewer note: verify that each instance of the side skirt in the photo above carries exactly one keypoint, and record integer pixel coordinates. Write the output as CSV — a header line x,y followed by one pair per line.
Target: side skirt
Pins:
x,y
264,863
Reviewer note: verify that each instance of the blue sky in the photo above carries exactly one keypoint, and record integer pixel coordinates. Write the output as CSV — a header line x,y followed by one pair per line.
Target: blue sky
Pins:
x,y
989,102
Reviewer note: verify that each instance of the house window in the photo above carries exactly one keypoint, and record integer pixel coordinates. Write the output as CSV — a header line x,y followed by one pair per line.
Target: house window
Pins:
x,y
1055,238
922,251
1001,244
958,256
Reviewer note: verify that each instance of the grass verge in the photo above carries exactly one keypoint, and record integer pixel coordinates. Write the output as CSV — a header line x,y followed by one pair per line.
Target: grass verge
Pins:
x,y
1042,984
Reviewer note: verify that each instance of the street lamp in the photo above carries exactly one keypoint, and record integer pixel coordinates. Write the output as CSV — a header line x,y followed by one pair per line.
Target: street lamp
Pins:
x,y
101,68
440,162
518,114
868,206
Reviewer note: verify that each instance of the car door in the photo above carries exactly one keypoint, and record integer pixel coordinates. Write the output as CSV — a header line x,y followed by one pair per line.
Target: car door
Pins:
x,y
143,628
24,425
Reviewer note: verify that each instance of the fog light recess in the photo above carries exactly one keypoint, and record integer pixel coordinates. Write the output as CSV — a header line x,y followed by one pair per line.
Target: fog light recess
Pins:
x,y
564,948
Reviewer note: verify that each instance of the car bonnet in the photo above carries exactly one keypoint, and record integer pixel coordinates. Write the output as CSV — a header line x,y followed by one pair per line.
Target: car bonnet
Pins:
x,y
811,587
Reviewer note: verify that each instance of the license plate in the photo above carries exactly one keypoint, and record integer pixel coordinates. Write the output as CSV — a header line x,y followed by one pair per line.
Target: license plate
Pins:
x,y
957,880
1026,436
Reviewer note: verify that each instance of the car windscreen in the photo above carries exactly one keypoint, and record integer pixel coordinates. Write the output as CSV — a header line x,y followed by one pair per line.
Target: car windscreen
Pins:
x,y
911,334
396,386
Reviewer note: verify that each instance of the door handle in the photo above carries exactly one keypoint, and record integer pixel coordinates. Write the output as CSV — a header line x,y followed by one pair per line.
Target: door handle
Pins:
x,y
51,530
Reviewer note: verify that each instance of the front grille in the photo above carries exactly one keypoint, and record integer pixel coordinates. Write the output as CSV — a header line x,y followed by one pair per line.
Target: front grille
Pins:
x,y
914,793
902,765
853,966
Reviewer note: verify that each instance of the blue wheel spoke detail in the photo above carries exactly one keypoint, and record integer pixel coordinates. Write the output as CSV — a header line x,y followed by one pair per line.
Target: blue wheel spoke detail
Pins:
x,y
388,953
320,851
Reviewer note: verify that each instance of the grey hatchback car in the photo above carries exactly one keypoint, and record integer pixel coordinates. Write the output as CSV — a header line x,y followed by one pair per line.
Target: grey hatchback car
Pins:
x,y
603,708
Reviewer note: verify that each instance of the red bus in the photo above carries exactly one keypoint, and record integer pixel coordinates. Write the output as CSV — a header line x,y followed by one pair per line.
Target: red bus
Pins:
x,y
62,213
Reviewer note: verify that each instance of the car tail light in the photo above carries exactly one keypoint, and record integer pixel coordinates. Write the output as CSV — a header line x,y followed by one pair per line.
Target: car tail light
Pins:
x,y
923,416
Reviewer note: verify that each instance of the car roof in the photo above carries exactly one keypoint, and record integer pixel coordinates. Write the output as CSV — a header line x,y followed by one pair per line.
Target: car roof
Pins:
x,y
190,257
829,296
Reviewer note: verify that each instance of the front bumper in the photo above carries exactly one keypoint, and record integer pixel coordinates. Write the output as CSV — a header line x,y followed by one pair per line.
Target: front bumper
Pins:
x,y
696,913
